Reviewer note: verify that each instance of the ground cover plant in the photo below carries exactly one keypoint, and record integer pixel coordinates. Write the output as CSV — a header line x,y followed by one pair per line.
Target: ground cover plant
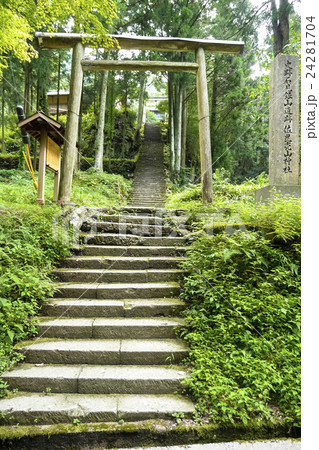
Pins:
x,y
30,247
242,295
28,251
89,188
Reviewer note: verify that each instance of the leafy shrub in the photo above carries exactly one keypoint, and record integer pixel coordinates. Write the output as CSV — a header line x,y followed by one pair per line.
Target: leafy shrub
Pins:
x,y
28,250
94,188
243,315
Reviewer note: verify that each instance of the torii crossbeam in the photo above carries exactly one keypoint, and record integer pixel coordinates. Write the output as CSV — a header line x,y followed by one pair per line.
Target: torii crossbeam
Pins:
x,y
165,44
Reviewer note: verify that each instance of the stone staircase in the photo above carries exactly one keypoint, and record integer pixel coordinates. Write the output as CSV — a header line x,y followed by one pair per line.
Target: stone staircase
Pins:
x,y
107,348
149,188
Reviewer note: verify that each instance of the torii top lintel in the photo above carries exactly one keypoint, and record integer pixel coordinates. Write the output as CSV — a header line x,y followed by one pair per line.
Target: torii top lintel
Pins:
x,y
166,44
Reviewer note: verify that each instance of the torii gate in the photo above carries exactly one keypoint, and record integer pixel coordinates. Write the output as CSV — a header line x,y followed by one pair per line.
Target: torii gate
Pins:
x,y
163,44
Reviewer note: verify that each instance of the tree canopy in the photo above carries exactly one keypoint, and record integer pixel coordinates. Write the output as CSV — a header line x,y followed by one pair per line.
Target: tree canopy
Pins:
x,y
18,21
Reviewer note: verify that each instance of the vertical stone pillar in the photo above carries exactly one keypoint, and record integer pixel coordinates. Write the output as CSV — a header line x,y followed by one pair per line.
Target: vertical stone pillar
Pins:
x,y
204,130
284,164
71,132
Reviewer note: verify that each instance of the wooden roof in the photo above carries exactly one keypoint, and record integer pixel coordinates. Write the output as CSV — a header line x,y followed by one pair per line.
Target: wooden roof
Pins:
x,y
166,44
33,125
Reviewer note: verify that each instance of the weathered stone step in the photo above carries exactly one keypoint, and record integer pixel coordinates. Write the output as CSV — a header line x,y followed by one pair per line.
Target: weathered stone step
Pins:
x,y
135,251
124,239
96,379
109,328
117,290
141,196
104,351
112,308
134,229
117,276
122,262
147,210
128,218
145,196
28,408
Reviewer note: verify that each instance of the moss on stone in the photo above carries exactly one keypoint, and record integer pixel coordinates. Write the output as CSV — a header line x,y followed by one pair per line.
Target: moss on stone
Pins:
x,y
145,433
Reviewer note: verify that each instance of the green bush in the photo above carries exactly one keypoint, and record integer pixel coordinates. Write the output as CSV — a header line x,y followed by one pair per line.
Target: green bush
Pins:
x,y
94,188
243,315
124,167
151,118
9,161
28,250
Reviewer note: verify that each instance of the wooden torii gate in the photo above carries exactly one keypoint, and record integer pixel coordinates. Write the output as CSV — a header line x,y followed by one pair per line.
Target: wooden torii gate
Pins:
x,y
163,44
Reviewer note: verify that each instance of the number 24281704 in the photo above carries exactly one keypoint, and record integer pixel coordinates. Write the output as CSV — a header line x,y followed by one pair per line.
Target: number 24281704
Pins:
x,y
310,47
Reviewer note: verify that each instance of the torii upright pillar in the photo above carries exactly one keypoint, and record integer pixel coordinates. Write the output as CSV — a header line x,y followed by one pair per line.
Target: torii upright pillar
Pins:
x,y
204,131
72,125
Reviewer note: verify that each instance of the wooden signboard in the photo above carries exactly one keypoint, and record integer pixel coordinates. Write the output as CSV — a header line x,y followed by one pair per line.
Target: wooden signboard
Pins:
x,y
53,156
50,133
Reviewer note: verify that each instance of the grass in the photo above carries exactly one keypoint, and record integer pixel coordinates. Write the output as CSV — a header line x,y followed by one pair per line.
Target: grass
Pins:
x,y
89,188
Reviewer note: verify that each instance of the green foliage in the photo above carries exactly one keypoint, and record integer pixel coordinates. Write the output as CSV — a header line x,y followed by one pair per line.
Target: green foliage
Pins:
x,y
243,316
120,142
280,218
92,188
12,134
27,252
9,161
242,295
226,195
19,20
150,117
89,188
124,167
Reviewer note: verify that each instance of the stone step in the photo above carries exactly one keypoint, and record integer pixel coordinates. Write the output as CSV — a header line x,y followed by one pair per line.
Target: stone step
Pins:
x,y
113,308
109,327
145,195
96,379
114,291
150,200
104,351
128,218
117,276
28,408
135,251
122,262
146,210
134,229
129,240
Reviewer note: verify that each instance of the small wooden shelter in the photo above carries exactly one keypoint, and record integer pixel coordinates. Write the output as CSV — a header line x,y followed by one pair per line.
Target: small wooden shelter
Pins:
x,y
50,134
159,44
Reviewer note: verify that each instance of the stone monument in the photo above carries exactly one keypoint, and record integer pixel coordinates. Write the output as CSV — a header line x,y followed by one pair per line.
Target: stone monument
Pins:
x,y
284,163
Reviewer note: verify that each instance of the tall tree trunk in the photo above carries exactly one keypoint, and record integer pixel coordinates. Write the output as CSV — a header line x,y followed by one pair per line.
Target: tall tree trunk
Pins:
x,y
110,115
213,112
178,125
171,121
80,128
58,92
100,129
280,25
184,127
140,103
125,99
3,149
27,89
